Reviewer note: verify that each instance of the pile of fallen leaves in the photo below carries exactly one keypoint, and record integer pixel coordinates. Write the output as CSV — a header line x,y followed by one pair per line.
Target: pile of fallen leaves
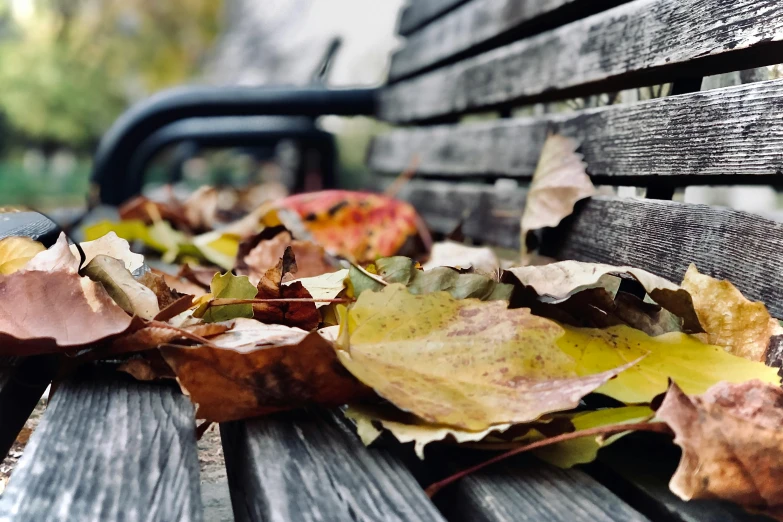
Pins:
x,y
308,300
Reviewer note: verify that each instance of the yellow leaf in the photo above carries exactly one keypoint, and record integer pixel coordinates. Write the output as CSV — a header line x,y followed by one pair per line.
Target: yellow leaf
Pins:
x,y
410,429
569,453
742,327
219,248
16,251
693,365
463,363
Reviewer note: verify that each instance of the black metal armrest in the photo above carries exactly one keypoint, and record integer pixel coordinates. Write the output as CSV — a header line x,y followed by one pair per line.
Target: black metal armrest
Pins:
x,y
113,159
226,131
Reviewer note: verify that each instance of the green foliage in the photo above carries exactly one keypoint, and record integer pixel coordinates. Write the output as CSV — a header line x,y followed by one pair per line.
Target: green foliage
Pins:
x,y
69,68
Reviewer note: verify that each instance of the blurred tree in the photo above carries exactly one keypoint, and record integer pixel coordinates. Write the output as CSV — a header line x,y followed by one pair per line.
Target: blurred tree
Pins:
x,y
69,67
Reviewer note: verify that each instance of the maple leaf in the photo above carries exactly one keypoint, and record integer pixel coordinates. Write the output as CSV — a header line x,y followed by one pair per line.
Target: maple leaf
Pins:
x,y
732,439
693,365
559,182
228,286
129,294
16,252
356,225
404,270
483,364
255,369
742,327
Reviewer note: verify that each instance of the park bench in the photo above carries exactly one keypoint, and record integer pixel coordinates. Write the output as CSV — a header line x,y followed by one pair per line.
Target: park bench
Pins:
x,y
109,448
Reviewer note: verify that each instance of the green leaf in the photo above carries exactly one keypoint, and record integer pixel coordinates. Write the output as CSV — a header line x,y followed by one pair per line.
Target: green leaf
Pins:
x,y
232,287
442,279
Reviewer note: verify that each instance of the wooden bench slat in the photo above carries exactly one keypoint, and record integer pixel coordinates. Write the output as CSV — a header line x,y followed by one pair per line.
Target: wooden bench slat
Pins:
x,y
482,24
22,383
420,12
308,465
487,214
640,43
665,237
659,236
528,489
712,137
109,449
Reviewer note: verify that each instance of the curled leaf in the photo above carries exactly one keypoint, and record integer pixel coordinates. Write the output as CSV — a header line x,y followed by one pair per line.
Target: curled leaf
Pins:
x,y
559,182
16,252
742,327
57,258
255,369
129,294
483,364
457,255
732,439
112,246
557,282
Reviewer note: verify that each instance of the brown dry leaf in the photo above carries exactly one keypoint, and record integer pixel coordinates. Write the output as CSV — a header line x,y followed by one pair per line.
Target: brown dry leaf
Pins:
x,y
57,258
557,282
43,312
303,315
256,369
165,295
742,327
559,182
732,440
156,335
311,259
129,294
483,365
16,252
180,284
201,208
149,366
113,246
197,275
144,209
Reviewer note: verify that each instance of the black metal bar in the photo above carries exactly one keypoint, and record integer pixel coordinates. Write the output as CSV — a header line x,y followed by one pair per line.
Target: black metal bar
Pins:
x,y
121,141
226,131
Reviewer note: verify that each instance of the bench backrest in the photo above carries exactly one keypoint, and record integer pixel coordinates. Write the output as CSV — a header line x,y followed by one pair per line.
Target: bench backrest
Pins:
x,y
467,57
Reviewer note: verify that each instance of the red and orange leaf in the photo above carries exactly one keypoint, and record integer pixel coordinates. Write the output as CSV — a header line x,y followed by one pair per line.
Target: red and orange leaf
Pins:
x,y
357,225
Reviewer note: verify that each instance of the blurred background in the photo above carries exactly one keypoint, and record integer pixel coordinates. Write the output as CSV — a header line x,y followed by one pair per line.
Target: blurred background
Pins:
x,y
69,68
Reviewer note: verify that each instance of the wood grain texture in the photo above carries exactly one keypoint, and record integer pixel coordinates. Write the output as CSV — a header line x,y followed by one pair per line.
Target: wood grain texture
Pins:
x,y
420,12
705,137
488,214
666,237
109,449
531,490
309,466
642,42
482,24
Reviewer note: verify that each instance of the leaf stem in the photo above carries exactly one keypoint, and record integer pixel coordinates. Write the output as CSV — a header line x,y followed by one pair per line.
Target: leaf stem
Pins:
x,y
657,427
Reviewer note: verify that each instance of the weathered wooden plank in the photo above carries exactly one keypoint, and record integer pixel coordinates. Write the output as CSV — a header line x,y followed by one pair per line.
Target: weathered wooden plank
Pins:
x,y
309,466
666,237
662,237
703,137
489,214
420,12
526,489
22,382
482,24
109,449
630,465
642,42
